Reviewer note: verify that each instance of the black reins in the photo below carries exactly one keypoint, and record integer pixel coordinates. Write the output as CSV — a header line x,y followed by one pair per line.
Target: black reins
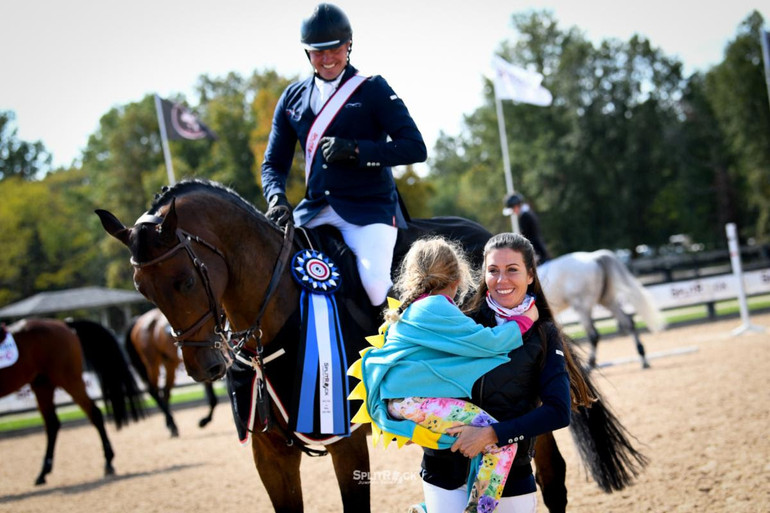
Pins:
x,y
243,336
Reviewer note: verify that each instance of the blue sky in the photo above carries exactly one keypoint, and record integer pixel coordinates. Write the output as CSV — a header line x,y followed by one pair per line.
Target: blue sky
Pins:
x,y
65,64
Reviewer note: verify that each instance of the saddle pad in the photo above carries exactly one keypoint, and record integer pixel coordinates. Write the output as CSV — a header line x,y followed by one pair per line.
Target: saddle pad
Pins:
x,y
9,352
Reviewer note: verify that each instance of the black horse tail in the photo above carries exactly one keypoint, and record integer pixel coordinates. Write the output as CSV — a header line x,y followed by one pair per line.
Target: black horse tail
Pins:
x,y
603,443
102,353
133,354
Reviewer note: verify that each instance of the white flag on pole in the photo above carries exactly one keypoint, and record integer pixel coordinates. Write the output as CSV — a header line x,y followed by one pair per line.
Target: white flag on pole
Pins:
x,y
518,84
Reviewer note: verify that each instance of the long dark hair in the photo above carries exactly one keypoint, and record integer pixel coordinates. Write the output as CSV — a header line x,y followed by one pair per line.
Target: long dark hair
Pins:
x,y
580,392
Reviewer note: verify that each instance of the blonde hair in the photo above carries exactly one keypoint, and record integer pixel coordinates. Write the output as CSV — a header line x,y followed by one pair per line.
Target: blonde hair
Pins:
x,y
431,264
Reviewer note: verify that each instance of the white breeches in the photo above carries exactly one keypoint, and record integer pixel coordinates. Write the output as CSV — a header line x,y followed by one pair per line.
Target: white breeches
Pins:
x,y
373,246
440,500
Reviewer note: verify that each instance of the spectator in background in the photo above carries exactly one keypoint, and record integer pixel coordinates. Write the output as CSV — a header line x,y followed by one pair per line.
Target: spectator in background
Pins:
x,y
529,226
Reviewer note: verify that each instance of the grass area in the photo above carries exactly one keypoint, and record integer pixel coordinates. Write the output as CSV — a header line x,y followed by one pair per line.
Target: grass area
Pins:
x,y
69,413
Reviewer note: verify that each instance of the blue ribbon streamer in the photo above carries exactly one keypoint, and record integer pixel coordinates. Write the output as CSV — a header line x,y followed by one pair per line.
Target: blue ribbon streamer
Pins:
x,y
314,288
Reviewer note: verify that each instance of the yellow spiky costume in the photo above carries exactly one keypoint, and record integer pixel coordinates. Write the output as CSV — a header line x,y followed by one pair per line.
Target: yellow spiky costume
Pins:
x,y
418,435
433,351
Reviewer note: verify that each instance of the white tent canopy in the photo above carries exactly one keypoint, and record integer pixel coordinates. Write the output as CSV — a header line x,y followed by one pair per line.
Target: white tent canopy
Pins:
x,y
86,298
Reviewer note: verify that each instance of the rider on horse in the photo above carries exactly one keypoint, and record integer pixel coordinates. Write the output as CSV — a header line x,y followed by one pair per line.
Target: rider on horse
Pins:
x,y
352,129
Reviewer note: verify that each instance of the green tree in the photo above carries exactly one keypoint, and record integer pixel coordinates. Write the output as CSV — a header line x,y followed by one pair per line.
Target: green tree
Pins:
x,y
414,190
703,197
47,238
269,87
737,93
20,158
124,165
18,238
592,164
225,104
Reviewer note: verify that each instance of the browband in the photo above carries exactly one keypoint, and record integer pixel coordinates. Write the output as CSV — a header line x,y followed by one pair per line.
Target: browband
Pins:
x,y
148,218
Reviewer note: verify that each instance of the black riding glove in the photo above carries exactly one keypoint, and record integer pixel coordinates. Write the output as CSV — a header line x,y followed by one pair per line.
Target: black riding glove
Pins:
x,y
279,209
335,149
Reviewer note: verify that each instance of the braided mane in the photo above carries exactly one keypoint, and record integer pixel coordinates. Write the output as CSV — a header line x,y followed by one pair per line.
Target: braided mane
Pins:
x,y
140,248
193,185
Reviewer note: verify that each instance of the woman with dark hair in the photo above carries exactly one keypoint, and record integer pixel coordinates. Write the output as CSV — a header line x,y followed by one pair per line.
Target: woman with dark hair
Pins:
x,y
529,395
431,353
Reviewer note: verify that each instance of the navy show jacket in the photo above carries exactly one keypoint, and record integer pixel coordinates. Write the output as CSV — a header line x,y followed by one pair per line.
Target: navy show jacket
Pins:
x,y
362,192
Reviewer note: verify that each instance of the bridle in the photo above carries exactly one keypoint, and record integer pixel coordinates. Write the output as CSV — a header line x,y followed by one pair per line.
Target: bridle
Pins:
x,y
185,243
222,336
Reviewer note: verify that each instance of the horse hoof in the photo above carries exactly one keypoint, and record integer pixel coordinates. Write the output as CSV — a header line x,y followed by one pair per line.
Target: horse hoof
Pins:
x,y
203,422
645,364
109,470
174,432
40,481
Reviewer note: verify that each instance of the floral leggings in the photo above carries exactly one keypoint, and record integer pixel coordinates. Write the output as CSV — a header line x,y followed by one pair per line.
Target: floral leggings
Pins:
x,y
439,414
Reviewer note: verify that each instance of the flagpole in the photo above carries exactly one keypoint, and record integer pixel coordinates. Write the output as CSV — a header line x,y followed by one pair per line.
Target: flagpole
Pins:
x,y
520,85
164,141
506,158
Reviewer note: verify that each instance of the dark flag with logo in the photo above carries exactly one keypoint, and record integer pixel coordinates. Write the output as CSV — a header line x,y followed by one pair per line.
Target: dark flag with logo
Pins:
x,y
182,124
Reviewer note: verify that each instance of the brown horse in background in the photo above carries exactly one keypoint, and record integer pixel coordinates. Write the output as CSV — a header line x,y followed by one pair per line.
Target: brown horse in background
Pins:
x,y
51,355
150,347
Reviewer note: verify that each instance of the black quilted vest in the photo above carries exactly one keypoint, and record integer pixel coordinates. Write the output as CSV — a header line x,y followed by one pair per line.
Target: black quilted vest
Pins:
x,y
508,391
511,390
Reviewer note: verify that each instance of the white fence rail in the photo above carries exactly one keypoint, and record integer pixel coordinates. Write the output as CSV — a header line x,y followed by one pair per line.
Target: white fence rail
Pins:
x,y
693,292
24,399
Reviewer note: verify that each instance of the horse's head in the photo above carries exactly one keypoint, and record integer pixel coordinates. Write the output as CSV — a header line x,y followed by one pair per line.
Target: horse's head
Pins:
x,y
185,275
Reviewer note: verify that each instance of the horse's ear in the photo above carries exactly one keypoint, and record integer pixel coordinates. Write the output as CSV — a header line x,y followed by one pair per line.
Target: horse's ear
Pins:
x,y
113,226
168,226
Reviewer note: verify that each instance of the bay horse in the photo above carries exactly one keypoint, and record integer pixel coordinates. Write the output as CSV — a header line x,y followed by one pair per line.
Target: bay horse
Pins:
x,y
582,280
51,354
217,269
150,346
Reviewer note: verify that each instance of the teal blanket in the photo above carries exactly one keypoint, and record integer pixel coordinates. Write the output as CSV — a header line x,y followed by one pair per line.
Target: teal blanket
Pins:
x,y
434,350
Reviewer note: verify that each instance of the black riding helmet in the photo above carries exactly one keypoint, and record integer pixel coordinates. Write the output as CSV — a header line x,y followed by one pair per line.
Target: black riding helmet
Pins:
x,y
326,29
513,199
